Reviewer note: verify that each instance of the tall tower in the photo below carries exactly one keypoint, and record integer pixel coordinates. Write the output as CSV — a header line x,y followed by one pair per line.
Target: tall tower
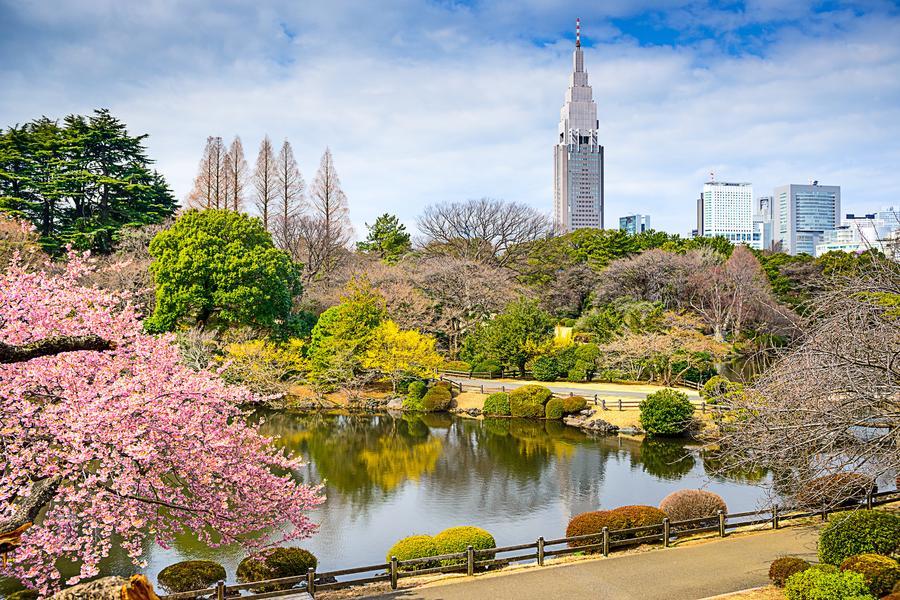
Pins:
x,y
578,155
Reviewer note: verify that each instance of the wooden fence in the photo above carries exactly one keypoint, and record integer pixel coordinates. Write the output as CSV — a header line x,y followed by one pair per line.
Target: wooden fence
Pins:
x,y
473,560
528,376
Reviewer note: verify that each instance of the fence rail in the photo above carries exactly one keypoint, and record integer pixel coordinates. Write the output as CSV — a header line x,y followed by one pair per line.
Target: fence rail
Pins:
x,y
501,374
468,561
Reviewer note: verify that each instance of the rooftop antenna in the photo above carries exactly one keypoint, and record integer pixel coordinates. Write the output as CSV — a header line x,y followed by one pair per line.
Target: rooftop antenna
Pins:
x,y
712,175
578,32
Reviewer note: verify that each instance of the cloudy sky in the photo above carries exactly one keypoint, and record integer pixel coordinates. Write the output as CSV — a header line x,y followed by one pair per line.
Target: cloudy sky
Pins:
x,y
432,101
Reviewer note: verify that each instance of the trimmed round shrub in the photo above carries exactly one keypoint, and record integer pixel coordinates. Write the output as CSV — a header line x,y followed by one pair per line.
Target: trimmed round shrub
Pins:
x,y
491,368
23,595
881,573
528,401
458,539
666,412
414,546
443,384
190,575
640,516
859,532
437,399
416,390
784,567
554,409
685,505
573,404
497,404
544,368
826,584
274,563
835,489
591,523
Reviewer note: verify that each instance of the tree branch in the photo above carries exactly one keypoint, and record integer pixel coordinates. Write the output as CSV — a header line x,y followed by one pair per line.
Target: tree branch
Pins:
x,y
51,346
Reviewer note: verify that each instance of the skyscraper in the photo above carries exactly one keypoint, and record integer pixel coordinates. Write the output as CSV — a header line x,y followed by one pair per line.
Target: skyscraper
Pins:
x,y
633,224
802,213
578,155
726,209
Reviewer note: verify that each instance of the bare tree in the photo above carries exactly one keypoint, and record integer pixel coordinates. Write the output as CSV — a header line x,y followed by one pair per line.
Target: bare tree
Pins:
x,y
235,175
329,214
210,182
485,230
289,198
831,404
264,182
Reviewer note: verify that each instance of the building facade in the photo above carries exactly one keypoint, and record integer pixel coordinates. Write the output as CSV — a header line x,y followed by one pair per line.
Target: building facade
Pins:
x,y
762,224
578,156
801,214
632,224
859,233
726,209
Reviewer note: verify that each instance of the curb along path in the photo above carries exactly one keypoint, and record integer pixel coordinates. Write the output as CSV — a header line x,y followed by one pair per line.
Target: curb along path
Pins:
x,y
685,573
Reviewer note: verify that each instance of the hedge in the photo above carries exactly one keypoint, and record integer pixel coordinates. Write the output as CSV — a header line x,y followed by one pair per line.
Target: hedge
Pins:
x,y
437,399
528,401
881,573
624,517
190,575
574,404
554,409
666,412
414,546
491,367
458,539
826,584
274,563
859,532
782,568
496,404
544,368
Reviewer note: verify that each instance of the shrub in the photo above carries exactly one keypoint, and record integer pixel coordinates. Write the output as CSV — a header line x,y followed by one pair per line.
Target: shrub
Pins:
x,y
718,388
528,401
274,563
640,516
416,390
593,522
666,412
497,404
190,575
489,367
573,404
554,409
826,584
437,399
685,505
881,573
443,384
545,368
859,532
457,365
784,567
23,595
414,546
458,539
835,489
611,375
580,372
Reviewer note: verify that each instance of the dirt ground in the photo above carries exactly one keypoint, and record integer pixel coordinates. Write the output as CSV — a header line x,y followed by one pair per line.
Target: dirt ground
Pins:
x,y
770,592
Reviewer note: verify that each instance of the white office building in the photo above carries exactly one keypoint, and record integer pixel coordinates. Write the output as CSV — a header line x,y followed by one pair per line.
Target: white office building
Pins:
x,y
726,209
762,223
859,233
801,214
578,155
632,224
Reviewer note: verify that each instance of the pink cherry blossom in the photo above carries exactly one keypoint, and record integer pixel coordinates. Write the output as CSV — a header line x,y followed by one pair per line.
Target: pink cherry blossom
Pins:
x,y
141,444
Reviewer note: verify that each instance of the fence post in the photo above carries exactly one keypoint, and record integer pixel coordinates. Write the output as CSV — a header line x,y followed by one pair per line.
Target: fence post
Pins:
x,y
482,388
470,561
869,499
220,590
824,513
604,404
503,388
606,541
540,549
620,404
311,581
595,399
667,529
703,407
460,387
571,394
721,524
775,517
393,572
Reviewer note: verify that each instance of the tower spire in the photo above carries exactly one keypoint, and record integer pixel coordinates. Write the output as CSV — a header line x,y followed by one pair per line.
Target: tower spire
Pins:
x,y
578,32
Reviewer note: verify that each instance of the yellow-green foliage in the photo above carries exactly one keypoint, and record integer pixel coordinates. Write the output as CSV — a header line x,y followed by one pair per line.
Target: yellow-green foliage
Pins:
x,y
414,546
554,409
882,573
190,575
497,404
263,366
528,401
398,353
458,539
274,563
573,404
437,399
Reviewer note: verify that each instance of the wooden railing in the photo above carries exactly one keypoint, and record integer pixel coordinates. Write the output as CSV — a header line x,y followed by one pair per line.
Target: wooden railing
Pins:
x,y
472,560
528,376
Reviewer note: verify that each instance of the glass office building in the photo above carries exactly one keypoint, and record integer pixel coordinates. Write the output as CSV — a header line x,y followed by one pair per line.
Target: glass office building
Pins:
x,y
801,215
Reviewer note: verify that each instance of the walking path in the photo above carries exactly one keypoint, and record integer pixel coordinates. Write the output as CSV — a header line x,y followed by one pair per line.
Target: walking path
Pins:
x,y
686,573
608,390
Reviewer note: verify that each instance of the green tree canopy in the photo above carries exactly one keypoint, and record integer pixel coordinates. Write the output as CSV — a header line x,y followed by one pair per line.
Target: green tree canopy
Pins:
x,y
220,266
387,238
80,181
513,337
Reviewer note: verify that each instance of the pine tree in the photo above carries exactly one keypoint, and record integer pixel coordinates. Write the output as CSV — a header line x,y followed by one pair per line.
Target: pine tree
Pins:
x,y
264,182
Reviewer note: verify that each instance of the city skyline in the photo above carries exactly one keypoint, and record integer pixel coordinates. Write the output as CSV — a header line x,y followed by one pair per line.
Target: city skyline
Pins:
x,y
433,102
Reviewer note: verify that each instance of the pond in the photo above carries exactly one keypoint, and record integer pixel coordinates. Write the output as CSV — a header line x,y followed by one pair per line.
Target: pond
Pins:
x,y
387,477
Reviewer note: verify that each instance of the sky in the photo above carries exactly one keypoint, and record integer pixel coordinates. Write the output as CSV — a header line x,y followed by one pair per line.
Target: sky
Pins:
x,y
436,101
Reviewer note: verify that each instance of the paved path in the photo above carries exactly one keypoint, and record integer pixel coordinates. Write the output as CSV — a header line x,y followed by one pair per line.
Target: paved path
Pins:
x,y
492,385
686,573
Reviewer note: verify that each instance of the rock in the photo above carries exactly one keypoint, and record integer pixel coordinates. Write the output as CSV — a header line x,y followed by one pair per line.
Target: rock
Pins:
x,y
395,404
632,431
583,422
110,588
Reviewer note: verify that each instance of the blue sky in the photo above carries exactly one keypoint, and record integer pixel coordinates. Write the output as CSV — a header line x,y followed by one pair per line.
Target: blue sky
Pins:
x,y
425,102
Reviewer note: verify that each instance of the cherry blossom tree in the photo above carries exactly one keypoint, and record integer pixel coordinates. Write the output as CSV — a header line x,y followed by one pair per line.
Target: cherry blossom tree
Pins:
x,y
107,438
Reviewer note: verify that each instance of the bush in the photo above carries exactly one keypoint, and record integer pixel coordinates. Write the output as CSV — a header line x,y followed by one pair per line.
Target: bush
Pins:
x,y
640,516
715,388
685,505
528,401
826,584
859,532
666,412
591,523
24,595
545,368
554,409
437,399
784,567
573,404
457,365
491,368
274,563
414,546
497,404
458,539
416,390
881,573
580,372
835,489
190,575
612,375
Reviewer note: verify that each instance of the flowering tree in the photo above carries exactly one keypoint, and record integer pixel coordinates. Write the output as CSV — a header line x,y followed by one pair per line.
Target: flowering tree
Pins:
x,y
105,435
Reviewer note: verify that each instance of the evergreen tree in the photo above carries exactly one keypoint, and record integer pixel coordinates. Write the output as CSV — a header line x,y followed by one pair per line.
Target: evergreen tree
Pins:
x,y
387,238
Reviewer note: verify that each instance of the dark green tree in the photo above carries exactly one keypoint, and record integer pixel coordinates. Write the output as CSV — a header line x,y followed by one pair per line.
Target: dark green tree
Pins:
x,y
513,337
220,267
387,238
81,181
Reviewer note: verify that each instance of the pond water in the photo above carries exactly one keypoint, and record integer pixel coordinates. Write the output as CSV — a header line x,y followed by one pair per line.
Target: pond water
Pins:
x,y
391,476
